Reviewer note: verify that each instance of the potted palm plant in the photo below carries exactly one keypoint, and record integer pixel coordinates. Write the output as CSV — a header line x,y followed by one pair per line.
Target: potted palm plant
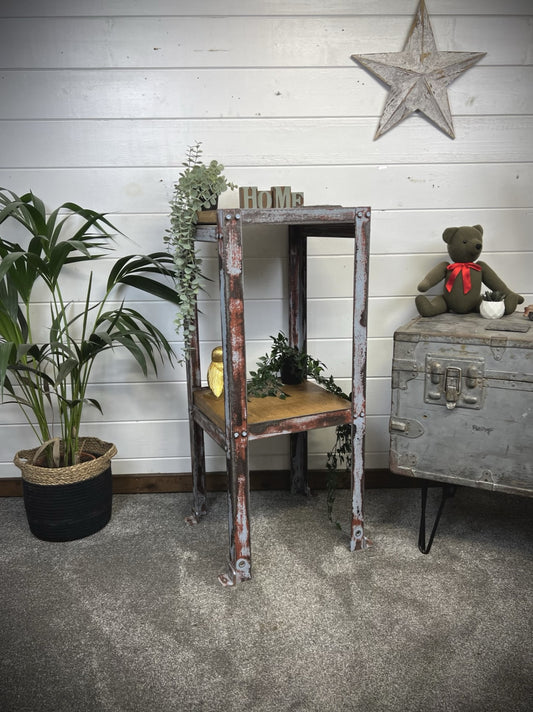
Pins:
x,y
45,364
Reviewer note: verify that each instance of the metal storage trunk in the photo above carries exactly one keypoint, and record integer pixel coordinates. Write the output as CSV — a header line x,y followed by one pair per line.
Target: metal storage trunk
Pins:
x,y
462,401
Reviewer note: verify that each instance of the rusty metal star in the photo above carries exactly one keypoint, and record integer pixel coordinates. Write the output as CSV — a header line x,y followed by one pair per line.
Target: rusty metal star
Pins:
x,y
418,76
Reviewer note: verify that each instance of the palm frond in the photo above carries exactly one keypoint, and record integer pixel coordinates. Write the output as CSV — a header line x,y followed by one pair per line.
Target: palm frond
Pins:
x,y
49,380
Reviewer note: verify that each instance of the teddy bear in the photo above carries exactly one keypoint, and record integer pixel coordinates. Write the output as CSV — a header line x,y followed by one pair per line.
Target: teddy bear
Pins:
x,y
463,277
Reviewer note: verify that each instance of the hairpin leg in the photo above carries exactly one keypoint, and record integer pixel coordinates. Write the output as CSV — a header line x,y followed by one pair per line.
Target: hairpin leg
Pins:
x,y
447,492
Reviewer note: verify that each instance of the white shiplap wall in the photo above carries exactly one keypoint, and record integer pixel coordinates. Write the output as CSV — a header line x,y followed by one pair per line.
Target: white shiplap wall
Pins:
x,y
99,100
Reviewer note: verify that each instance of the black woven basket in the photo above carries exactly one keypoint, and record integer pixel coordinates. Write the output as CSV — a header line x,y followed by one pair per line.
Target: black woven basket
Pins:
x,y
66,510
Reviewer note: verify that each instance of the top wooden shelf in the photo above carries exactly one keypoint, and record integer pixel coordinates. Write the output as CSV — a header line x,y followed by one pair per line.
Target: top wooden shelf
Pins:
x,y
321,220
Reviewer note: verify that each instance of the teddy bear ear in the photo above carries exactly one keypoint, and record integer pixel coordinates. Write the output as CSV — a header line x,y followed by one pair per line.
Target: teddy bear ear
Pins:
x,y
478,228
449,233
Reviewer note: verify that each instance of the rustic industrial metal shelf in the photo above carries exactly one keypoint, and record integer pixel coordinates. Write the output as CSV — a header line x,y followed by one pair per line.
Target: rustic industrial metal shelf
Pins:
x,y
233,420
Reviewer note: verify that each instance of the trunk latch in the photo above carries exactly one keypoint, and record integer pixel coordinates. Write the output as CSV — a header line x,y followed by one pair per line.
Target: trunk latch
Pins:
x,y
455,383
452,385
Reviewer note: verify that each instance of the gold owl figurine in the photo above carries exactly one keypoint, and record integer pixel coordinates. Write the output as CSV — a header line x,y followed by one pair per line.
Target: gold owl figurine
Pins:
x,y
215,372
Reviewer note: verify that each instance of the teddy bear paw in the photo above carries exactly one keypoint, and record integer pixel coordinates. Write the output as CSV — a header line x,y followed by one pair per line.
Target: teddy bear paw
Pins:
x,y
512,300
430,307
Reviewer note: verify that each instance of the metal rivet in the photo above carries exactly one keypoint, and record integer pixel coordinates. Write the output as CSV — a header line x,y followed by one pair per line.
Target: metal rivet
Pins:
x,y
358,533
235,435
228,217
237,216
244,433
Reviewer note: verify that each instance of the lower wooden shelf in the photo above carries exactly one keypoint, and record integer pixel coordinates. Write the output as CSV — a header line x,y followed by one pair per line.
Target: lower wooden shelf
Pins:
x,y
308,406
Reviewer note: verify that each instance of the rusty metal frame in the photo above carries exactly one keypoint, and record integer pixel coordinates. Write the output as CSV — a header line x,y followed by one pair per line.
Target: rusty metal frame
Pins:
x,y
228,233
298,337
359,362
196,432
235,408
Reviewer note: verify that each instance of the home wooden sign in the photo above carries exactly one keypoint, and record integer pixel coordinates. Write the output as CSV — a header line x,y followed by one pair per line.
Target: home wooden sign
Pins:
x,y
279,196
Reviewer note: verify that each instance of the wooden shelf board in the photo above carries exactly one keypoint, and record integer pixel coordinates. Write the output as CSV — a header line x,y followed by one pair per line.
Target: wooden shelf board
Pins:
x,y
307,406
207,217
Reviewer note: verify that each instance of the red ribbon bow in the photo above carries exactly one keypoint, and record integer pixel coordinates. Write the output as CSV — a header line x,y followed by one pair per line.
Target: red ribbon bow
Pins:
x,y
462,268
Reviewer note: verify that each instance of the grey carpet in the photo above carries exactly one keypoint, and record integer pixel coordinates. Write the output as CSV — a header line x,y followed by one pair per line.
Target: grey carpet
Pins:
x,y
134,619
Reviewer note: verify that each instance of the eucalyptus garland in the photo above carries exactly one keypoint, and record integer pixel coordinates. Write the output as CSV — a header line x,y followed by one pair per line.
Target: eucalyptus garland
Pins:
x,y
197,188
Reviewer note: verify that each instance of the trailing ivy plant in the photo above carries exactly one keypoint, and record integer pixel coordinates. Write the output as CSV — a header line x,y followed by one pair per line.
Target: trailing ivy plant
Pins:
x,y
197,188
267,381
337,459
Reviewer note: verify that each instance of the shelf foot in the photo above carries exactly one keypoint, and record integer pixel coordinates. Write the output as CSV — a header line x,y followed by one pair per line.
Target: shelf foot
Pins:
x,y
195,517
360,544
226,580
236,574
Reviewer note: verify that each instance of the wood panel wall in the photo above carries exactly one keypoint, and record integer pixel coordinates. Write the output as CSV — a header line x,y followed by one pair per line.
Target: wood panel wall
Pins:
x,y
100,99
